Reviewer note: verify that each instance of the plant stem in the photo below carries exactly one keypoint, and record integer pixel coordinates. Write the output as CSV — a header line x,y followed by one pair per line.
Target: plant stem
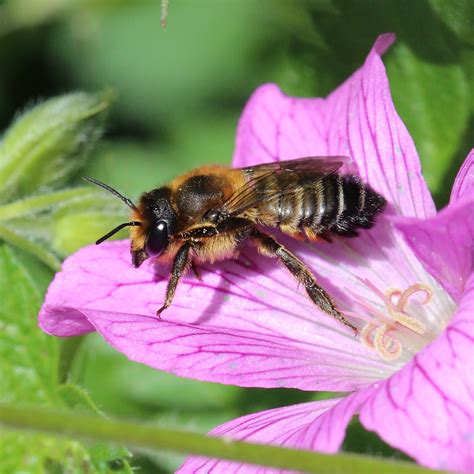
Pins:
x,y
15,238
39,203
69,348
145,436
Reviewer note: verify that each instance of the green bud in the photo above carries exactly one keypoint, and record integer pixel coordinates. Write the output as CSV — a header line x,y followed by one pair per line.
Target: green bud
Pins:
x,y
73,231
49,142
53,225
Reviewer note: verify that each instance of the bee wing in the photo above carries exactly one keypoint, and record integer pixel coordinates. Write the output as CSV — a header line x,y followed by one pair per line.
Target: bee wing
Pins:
x,y
312,164
259,186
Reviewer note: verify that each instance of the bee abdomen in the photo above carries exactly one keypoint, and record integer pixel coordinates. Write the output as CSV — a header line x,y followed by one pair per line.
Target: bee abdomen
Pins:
x,y
363,204
339,205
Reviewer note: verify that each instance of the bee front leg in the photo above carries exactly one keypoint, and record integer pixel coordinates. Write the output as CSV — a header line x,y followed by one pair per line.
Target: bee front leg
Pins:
x,y
268,246
181,262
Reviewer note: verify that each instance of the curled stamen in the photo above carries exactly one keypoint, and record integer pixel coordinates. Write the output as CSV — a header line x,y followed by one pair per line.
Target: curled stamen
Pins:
x,y
375,336
390,295
395,318
387,347
366,333
398,310
412,290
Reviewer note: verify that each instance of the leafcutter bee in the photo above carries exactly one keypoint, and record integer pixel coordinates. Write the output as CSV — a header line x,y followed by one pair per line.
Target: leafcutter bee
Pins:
x,y
209,213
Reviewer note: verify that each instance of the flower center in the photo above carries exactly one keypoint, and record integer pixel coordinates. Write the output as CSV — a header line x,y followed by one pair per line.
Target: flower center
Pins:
x,y
401,325
380,334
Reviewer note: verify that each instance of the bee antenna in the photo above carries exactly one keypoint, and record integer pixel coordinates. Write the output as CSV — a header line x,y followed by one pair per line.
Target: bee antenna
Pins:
x,y
127,201
114,231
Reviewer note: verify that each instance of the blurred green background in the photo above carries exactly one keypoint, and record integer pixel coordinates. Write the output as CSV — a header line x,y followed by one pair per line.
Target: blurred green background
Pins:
x,y
178,95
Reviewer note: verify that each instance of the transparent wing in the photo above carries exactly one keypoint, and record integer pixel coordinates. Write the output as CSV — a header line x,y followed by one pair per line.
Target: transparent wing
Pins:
x,y
312,164
260,185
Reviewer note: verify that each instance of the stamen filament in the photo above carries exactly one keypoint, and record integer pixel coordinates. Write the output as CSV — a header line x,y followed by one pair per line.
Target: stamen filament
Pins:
x,y
375,332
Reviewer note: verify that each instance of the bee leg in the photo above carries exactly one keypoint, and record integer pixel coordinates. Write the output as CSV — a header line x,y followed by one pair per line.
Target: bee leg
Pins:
x,y
268,246
195,270
181,262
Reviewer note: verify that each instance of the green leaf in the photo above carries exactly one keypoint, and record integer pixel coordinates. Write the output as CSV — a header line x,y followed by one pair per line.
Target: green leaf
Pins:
x,y
40,454
458,15
430,98
49,142
29,373
28,357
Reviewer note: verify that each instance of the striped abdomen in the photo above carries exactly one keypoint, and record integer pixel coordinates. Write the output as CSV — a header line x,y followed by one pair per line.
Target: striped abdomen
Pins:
x,y
321,204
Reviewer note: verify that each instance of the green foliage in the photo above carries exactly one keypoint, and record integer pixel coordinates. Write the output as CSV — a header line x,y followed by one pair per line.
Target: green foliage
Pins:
x,y
180,93
49,142
28,357
29,373
40,454
205,49
43,148
430,98
56,224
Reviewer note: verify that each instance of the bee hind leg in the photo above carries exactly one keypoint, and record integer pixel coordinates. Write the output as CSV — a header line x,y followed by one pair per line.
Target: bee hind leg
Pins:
x,y
268,246
195,270
180,264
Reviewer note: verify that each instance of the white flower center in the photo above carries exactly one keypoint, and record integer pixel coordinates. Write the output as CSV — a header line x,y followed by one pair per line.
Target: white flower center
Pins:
x,y
377,333
405,321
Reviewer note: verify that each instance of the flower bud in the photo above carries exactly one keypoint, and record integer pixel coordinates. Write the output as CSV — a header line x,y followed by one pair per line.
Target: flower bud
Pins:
x,y
75,230
49,142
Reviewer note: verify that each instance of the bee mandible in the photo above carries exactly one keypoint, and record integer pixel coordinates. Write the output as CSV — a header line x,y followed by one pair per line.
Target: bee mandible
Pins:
x,y
209,213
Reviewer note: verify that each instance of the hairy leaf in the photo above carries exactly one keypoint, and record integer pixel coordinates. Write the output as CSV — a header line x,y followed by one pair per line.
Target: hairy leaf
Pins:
x,y
28,373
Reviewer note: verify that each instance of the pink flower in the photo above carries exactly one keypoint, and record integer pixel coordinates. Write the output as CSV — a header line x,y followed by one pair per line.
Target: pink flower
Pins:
x,y
407,284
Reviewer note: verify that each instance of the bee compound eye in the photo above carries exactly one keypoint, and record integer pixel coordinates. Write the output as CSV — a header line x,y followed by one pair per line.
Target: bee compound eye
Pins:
x,y
157,239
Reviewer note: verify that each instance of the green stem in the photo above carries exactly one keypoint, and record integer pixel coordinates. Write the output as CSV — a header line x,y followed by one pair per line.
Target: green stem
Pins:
x,y
145,436
14,238
69,348
35,204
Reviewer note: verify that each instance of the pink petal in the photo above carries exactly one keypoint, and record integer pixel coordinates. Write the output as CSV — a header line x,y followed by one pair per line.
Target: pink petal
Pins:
x,y
318,426
427,408
286,426
464,182
246,323
275,127
444,243
358,120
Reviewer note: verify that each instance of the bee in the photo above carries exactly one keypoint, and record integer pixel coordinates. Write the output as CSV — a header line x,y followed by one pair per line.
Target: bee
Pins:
x,y
209,213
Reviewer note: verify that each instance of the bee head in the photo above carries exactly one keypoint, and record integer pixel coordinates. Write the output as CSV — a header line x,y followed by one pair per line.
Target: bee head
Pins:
x,y
153,222
158,222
